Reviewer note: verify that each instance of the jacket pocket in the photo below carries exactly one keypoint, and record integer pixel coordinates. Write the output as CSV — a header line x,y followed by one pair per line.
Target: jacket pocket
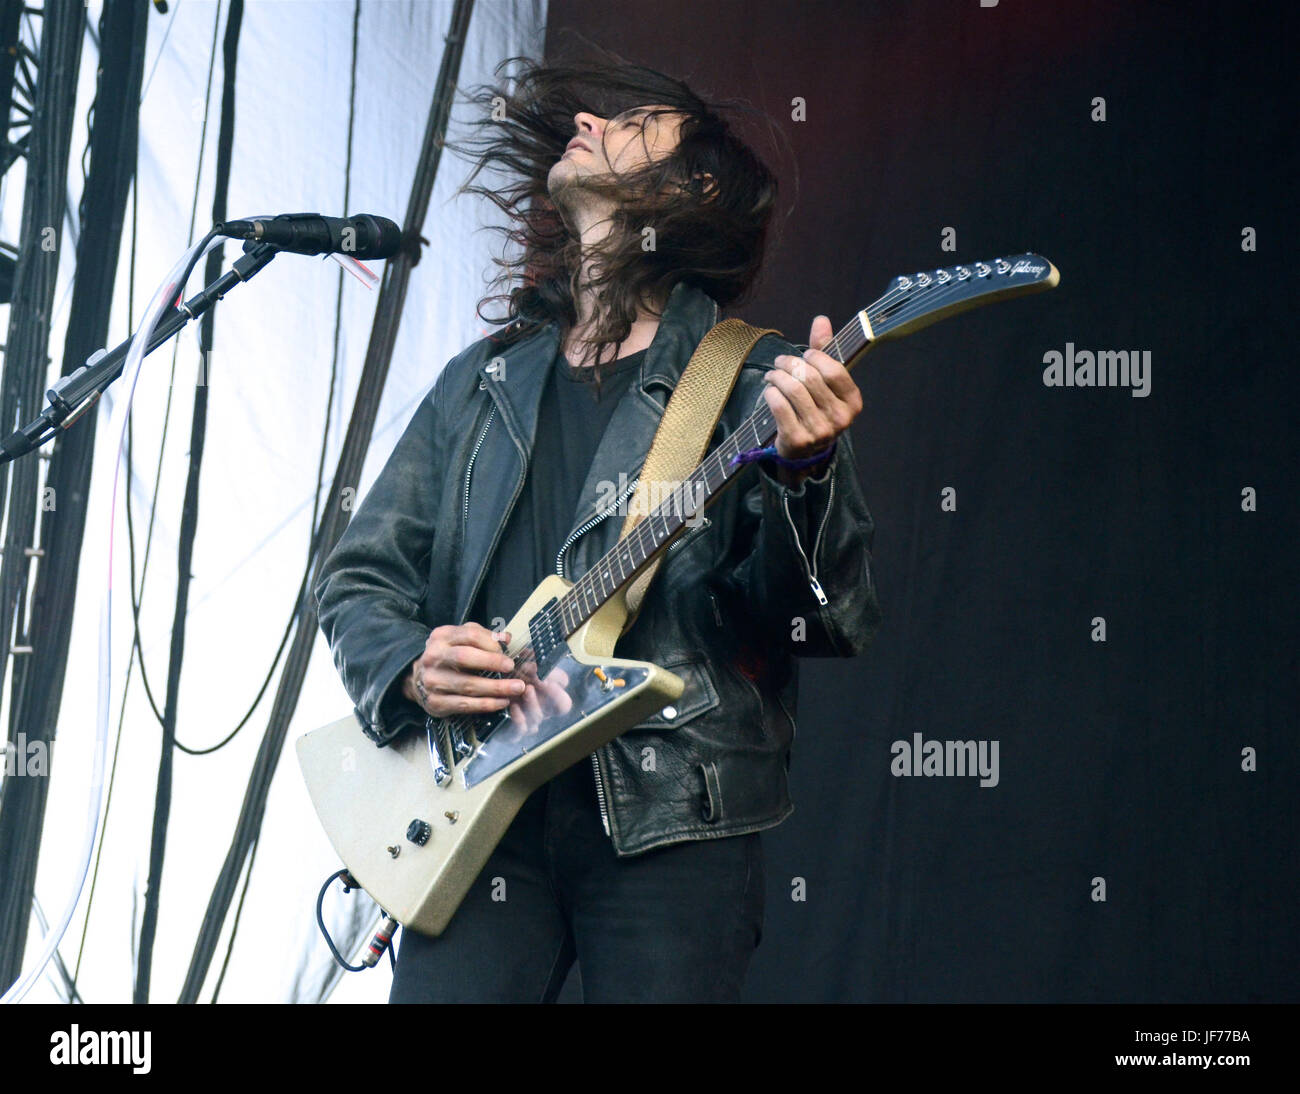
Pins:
x,y
711,799
699,695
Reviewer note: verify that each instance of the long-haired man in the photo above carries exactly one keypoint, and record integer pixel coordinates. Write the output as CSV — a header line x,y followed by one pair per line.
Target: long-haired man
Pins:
x,y
634,214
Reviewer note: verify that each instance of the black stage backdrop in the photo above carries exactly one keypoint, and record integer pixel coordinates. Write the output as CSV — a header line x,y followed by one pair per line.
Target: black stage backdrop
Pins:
x,y
1123,763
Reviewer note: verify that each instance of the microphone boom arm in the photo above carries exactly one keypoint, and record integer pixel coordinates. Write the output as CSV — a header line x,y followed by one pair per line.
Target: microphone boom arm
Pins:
x,y
102,368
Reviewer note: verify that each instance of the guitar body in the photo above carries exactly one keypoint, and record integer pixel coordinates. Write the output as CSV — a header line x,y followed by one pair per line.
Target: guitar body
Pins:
x,y
368,798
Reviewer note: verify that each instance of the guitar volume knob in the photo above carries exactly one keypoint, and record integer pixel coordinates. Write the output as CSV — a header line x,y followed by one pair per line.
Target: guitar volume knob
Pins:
x,y
418,832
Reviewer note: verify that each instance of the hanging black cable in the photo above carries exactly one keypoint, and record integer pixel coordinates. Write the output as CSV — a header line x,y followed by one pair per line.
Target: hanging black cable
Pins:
x,y
136,651
189,518
26,347
137,591
10,17
117,742
239,913
320,469
383,336
37,680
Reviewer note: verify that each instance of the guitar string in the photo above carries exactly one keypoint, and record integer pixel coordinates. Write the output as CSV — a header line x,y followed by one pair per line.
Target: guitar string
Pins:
x,y
916,300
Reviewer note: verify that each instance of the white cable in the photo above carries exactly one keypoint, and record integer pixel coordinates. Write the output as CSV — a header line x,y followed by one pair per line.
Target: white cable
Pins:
x,y
59,988
105,512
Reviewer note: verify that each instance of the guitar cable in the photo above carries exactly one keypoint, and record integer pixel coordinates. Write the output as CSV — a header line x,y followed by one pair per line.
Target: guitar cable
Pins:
x,y
381,941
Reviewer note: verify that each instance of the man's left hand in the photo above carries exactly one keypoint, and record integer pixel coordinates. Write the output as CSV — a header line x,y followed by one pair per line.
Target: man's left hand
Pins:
x,y
813,399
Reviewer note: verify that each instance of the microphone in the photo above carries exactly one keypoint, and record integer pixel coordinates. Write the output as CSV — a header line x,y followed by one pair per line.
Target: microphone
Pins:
x,y
361,236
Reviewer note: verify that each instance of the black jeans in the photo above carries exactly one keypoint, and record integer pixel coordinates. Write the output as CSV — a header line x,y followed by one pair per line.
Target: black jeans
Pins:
x,y
676,924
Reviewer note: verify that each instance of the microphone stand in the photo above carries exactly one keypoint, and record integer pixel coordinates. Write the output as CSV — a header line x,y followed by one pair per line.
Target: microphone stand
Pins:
x,y
103,367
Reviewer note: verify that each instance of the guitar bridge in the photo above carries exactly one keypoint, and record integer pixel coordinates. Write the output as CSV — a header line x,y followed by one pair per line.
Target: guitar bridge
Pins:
x,y
545,638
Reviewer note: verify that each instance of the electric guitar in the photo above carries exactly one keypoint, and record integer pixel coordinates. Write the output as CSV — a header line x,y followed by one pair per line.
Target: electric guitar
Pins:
x,y
416,820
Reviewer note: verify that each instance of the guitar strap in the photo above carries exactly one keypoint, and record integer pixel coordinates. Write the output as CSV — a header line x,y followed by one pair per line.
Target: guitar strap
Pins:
x,y
684,431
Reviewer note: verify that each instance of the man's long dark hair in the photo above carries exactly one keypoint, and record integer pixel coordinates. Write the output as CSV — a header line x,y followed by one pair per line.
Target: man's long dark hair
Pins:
x,y
699,215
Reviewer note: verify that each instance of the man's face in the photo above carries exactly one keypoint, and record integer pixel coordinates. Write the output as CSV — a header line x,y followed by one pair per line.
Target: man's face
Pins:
x,y
602,146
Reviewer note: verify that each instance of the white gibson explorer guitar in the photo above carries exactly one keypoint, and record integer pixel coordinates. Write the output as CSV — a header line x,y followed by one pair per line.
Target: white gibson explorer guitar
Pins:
x,y
416,820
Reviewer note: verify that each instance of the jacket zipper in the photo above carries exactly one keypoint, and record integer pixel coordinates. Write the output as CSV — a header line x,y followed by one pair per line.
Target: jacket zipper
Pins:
x,y
559,569
688,536
519,488
582,530
811,567
600,795
595,763
586,526
469,467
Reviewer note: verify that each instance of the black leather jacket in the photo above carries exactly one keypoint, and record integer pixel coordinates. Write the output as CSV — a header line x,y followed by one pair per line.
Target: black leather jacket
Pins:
x,y
732,605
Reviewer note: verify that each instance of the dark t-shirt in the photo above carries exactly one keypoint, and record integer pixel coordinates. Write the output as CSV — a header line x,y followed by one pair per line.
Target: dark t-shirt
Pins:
x,y
570,423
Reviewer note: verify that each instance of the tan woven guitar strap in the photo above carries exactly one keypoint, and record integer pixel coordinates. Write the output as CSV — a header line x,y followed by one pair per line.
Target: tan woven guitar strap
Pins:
x,y
683,435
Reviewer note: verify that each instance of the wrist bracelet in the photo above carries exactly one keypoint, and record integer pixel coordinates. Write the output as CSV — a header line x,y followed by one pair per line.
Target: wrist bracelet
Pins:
x,y
769,453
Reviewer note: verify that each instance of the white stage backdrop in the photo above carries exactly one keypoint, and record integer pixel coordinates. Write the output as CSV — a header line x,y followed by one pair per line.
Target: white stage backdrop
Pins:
x,y
269,386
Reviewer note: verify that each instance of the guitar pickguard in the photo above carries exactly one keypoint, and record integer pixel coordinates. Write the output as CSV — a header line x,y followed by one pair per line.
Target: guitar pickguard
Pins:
x,y
567,692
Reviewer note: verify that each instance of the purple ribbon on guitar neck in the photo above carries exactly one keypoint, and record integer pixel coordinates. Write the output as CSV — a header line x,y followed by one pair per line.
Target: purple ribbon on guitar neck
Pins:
x,y
768,452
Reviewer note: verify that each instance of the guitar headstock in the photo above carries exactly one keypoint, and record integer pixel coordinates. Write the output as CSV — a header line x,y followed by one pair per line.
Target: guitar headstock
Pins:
x,y
917,300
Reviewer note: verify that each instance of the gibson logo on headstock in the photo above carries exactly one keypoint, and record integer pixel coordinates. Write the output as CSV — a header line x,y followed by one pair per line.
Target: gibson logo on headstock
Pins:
x,y
1025,266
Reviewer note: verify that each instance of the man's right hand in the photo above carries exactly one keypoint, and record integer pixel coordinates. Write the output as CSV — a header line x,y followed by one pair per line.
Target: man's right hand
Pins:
x,y
448,672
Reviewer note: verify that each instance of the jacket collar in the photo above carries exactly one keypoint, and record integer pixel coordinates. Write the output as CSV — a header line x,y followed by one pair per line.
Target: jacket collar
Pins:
x,y
689,314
